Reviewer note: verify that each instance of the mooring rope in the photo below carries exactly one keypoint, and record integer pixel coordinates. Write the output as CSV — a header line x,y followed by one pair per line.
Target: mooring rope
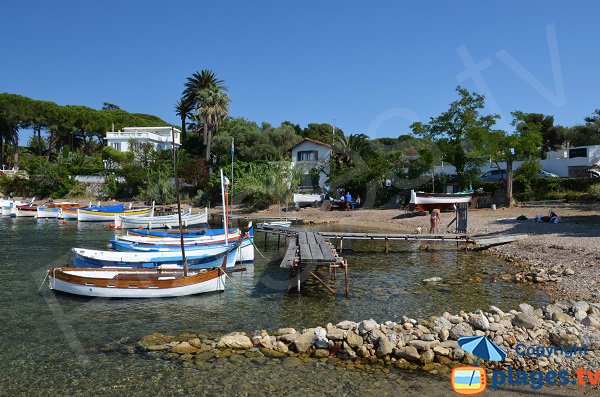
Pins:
x,y
43,281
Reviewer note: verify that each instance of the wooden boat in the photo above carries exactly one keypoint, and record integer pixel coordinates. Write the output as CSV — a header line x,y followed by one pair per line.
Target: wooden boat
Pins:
x,y
214,256
422,201
28,210
107,214
276,224
135,283
9,207
69,213
53,210
307,199
161,222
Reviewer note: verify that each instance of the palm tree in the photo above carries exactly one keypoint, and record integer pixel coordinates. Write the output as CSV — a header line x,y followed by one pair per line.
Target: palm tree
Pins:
x,y
184,108
214,107
195,84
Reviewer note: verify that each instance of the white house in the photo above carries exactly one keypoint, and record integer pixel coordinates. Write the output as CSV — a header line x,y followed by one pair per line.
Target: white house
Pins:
x,y
572,162
312,155
160,137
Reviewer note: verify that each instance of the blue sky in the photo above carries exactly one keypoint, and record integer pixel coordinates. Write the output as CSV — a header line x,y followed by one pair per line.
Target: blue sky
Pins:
x,y
373,67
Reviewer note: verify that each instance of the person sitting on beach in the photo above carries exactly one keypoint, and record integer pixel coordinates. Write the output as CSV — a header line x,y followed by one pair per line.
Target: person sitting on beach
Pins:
x,y
348,200
435,219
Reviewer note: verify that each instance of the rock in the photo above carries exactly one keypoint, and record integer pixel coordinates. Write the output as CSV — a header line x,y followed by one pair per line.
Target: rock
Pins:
x,y
289,338
321,333
526,308
321,344
353,339
154,348
580,315
284,331
305,341
432,280
346,325
408,353
568,272
155,339
335,333
526,321
455,319
549,310
362,352
458,354
479,321
384,347
561,337
591,321
235,341
450,344
374,335
265,342
321,353
495,310
422,345
440,323
442,351
291,362
427,356
184,348
272,353
462,329
591,340
366,326
281,347
428,337
444,334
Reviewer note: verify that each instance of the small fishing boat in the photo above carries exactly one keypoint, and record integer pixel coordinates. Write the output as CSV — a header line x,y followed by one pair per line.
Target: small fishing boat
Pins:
x,y
53,210
135,283
422,201
69,213
27,210
108,213
161,222
200,259
307,199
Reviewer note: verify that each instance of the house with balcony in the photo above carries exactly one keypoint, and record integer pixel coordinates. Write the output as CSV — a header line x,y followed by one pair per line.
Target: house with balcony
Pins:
x,y
160,137
313,157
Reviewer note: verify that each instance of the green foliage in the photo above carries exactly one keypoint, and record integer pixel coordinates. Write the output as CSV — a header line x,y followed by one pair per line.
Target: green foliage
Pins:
x,y
46,179
158,189
463,132
594,191
322,132
526,175
112,188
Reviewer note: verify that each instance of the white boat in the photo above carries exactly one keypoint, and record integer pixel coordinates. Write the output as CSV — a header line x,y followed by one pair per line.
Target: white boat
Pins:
x,y
423,201
275,224
135,283
44,211
26,211
107,214
68,213
161,222
305,199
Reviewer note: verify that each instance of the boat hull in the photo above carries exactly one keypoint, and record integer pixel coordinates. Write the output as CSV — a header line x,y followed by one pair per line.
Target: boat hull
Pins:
x,y
68,213
420,201
26,213
84,215
162,222
134,283
44,212
205,259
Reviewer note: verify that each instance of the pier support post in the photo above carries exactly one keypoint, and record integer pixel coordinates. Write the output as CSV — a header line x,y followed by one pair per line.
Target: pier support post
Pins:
x,y
341,245
386,245
298,278
278,240
346,271
266,241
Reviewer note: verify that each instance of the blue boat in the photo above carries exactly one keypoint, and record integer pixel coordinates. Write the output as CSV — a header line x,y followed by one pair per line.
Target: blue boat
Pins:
x,y
198,259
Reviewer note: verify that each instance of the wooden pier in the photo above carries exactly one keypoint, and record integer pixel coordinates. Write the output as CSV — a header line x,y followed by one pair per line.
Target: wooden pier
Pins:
x,y
306,252
219,217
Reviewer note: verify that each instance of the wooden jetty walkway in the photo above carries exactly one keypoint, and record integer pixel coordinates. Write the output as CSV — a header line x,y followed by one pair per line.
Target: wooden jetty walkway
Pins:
x,y
306,252
219,216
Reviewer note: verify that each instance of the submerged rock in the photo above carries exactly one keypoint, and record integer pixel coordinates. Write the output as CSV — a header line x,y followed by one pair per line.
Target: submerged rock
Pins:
x,y
235,341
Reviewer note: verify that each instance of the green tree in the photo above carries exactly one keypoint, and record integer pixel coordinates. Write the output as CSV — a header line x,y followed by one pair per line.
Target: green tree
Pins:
x,y
463,131
322,132
183,109
213,108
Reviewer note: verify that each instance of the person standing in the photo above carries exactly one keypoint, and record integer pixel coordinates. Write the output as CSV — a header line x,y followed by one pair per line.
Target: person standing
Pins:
x,y
348,200
434,220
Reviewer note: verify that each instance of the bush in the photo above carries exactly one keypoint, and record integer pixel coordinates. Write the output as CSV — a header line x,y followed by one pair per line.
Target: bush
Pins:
x,y
160,190
594,191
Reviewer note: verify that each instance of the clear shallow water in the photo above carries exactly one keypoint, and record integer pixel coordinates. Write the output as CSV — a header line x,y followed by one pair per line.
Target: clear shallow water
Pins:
x,y
49,341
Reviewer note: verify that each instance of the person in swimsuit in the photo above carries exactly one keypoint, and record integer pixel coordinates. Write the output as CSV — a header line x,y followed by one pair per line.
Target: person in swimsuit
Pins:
x,y
435,219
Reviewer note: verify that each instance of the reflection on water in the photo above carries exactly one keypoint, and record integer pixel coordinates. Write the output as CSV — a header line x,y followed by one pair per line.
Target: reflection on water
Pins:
x,y
47,336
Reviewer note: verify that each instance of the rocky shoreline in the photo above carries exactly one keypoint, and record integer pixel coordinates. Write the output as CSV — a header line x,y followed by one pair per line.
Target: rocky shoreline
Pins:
x,y
425,344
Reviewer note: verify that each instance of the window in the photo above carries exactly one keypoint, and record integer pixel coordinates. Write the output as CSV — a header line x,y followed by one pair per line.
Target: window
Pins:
x,y
309,155
116,145
581,152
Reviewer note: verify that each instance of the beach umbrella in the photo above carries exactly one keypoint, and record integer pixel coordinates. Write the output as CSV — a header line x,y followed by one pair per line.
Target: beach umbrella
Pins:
x,y
482,347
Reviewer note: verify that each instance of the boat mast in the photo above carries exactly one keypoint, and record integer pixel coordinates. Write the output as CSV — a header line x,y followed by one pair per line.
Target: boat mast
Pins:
x,y
185,265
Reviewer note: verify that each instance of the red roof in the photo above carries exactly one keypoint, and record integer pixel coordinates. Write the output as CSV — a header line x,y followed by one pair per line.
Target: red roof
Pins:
x,y
309,140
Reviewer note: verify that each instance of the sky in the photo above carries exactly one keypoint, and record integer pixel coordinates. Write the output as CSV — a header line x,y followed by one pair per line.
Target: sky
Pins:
x,y
367,67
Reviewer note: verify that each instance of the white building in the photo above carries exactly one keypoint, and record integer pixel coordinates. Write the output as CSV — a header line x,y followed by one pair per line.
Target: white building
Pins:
x,y
312,155
572,162
160,137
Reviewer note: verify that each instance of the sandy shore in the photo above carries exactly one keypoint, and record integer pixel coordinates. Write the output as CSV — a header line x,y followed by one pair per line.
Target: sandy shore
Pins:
x,y
568,252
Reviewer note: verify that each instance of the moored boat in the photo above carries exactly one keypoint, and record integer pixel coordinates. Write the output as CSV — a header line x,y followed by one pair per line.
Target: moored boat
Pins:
x,y
135,283
423,201
107,214
28,210
69,213
45,211
224,256
162,222
275,224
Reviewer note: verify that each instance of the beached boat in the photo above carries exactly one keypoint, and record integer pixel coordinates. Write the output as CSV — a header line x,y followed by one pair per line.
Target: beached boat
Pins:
x,y
27,211
422,201
306,199
135,283
162,222
213,256
108,213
